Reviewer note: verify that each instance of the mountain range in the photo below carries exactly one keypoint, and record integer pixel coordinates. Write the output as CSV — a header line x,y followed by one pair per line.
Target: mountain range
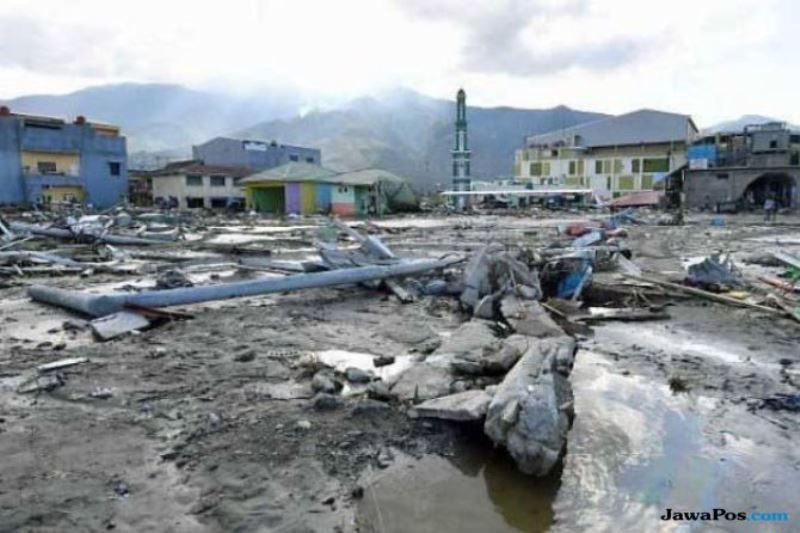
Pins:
x,y
399,130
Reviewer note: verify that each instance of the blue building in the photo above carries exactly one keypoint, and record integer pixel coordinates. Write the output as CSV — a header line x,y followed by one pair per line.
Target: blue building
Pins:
x,y
45,159
253,155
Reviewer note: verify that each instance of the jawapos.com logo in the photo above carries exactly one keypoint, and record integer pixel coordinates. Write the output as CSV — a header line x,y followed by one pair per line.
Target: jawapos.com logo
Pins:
x,y
724,514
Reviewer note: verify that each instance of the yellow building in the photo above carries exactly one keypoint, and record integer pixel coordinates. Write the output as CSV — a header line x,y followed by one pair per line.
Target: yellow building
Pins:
x,y
612,156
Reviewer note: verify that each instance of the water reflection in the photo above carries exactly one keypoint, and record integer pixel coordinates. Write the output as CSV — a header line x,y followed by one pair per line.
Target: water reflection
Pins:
x,y
636,449
479,490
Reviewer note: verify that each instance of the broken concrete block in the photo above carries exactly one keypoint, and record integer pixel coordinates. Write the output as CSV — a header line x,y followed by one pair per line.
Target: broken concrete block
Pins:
x,y
116,324
485,308
462,406
528,317
378,390
507,356
423,382
323,381
527,413
470,338
356,375
477,276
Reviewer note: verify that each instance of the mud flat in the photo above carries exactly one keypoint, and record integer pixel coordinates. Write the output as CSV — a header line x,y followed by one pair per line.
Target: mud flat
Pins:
x,y
212,424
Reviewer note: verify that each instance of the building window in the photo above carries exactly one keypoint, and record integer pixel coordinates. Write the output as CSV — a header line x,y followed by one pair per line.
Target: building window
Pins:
x,y
219,203
536,169
217,181
636,165
618,168
546,169
598,166
647,181
294,158
194,202
310,160
46,167
572,168
554,153
723,176
625,183
194,181
607,166
114,168
656,164
343,189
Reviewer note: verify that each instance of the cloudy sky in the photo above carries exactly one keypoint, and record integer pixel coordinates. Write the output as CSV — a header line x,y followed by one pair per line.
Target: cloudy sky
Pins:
x,y
714,59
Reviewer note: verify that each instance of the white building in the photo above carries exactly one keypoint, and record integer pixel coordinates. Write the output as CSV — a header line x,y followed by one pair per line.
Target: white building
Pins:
x,y
196,185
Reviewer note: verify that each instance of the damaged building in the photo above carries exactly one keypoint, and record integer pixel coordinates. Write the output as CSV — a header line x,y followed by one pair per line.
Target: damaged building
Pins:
x,y
52,160
734,170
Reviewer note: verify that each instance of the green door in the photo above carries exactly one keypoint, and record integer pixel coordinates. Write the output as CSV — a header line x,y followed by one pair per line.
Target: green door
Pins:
x,y
268,200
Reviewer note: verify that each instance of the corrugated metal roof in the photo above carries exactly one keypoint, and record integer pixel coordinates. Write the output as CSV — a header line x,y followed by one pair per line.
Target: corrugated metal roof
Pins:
x,y
294,171
643,126
365,176
194,166
309,172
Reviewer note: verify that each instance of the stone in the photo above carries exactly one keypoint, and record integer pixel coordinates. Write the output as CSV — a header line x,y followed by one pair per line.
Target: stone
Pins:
x,y
369,407
356,375
245,356
323,381
383,360
423,382
326,402
303,424
378,390
529,412
485,308
528,317
462,406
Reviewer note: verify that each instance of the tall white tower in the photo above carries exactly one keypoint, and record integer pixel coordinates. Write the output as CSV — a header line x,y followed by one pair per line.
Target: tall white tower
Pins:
x,y
461,154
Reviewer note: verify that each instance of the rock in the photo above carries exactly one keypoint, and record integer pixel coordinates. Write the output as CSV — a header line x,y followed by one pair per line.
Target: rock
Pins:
x,y
527,413
378,390
423,382
412,333
369,407
477,276
528,317
383,360
462,406
101,393
506,357
323,381
303,424
326,402
356,375
485,308
473,337
245,356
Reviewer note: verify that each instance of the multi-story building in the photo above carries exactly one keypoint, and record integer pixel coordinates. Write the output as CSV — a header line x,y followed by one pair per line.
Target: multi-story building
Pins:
x,y
253,155
744,168
613,156
45,159
193,184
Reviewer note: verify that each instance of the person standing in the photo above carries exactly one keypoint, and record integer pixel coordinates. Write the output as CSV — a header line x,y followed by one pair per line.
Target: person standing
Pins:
x,y
770,208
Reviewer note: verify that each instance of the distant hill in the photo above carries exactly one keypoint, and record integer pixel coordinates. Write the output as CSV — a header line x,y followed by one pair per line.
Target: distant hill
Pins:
x,y
744,120
412,135
400,130
158,117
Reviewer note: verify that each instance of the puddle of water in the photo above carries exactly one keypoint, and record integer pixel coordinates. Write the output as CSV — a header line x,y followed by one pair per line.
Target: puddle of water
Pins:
x,y
340,360
656,337
480,490
636,449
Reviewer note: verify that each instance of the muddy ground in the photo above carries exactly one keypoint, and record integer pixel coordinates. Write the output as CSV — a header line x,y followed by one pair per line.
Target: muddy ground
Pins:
x,y
209,424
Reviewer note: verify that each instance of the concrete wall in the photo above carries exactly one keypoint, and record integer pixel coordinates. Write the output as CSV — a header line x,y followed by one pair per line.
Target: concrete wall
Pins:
x,y
166,186
232,152
729,184
95,151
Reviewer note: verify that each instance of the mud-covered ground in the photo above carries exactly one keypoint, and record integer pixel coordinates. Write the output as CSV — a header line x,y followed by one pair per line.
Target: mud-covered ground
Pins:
x,y
210,424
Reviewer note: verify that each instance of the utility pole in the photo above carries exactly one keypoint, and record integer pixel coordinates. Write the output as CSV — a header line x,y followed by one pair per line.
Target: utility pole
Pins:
x,y
461,154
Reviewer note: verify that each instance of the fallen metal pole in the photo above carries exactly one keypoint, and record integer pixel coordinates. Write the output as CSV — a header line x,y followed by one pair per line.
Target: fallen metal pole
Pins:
x,y
61,233
106,304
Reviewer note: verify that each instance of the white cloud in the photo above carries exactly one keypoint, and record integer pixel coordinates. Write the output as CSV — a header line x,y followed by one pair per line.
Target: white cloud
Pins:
x,y
715,60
